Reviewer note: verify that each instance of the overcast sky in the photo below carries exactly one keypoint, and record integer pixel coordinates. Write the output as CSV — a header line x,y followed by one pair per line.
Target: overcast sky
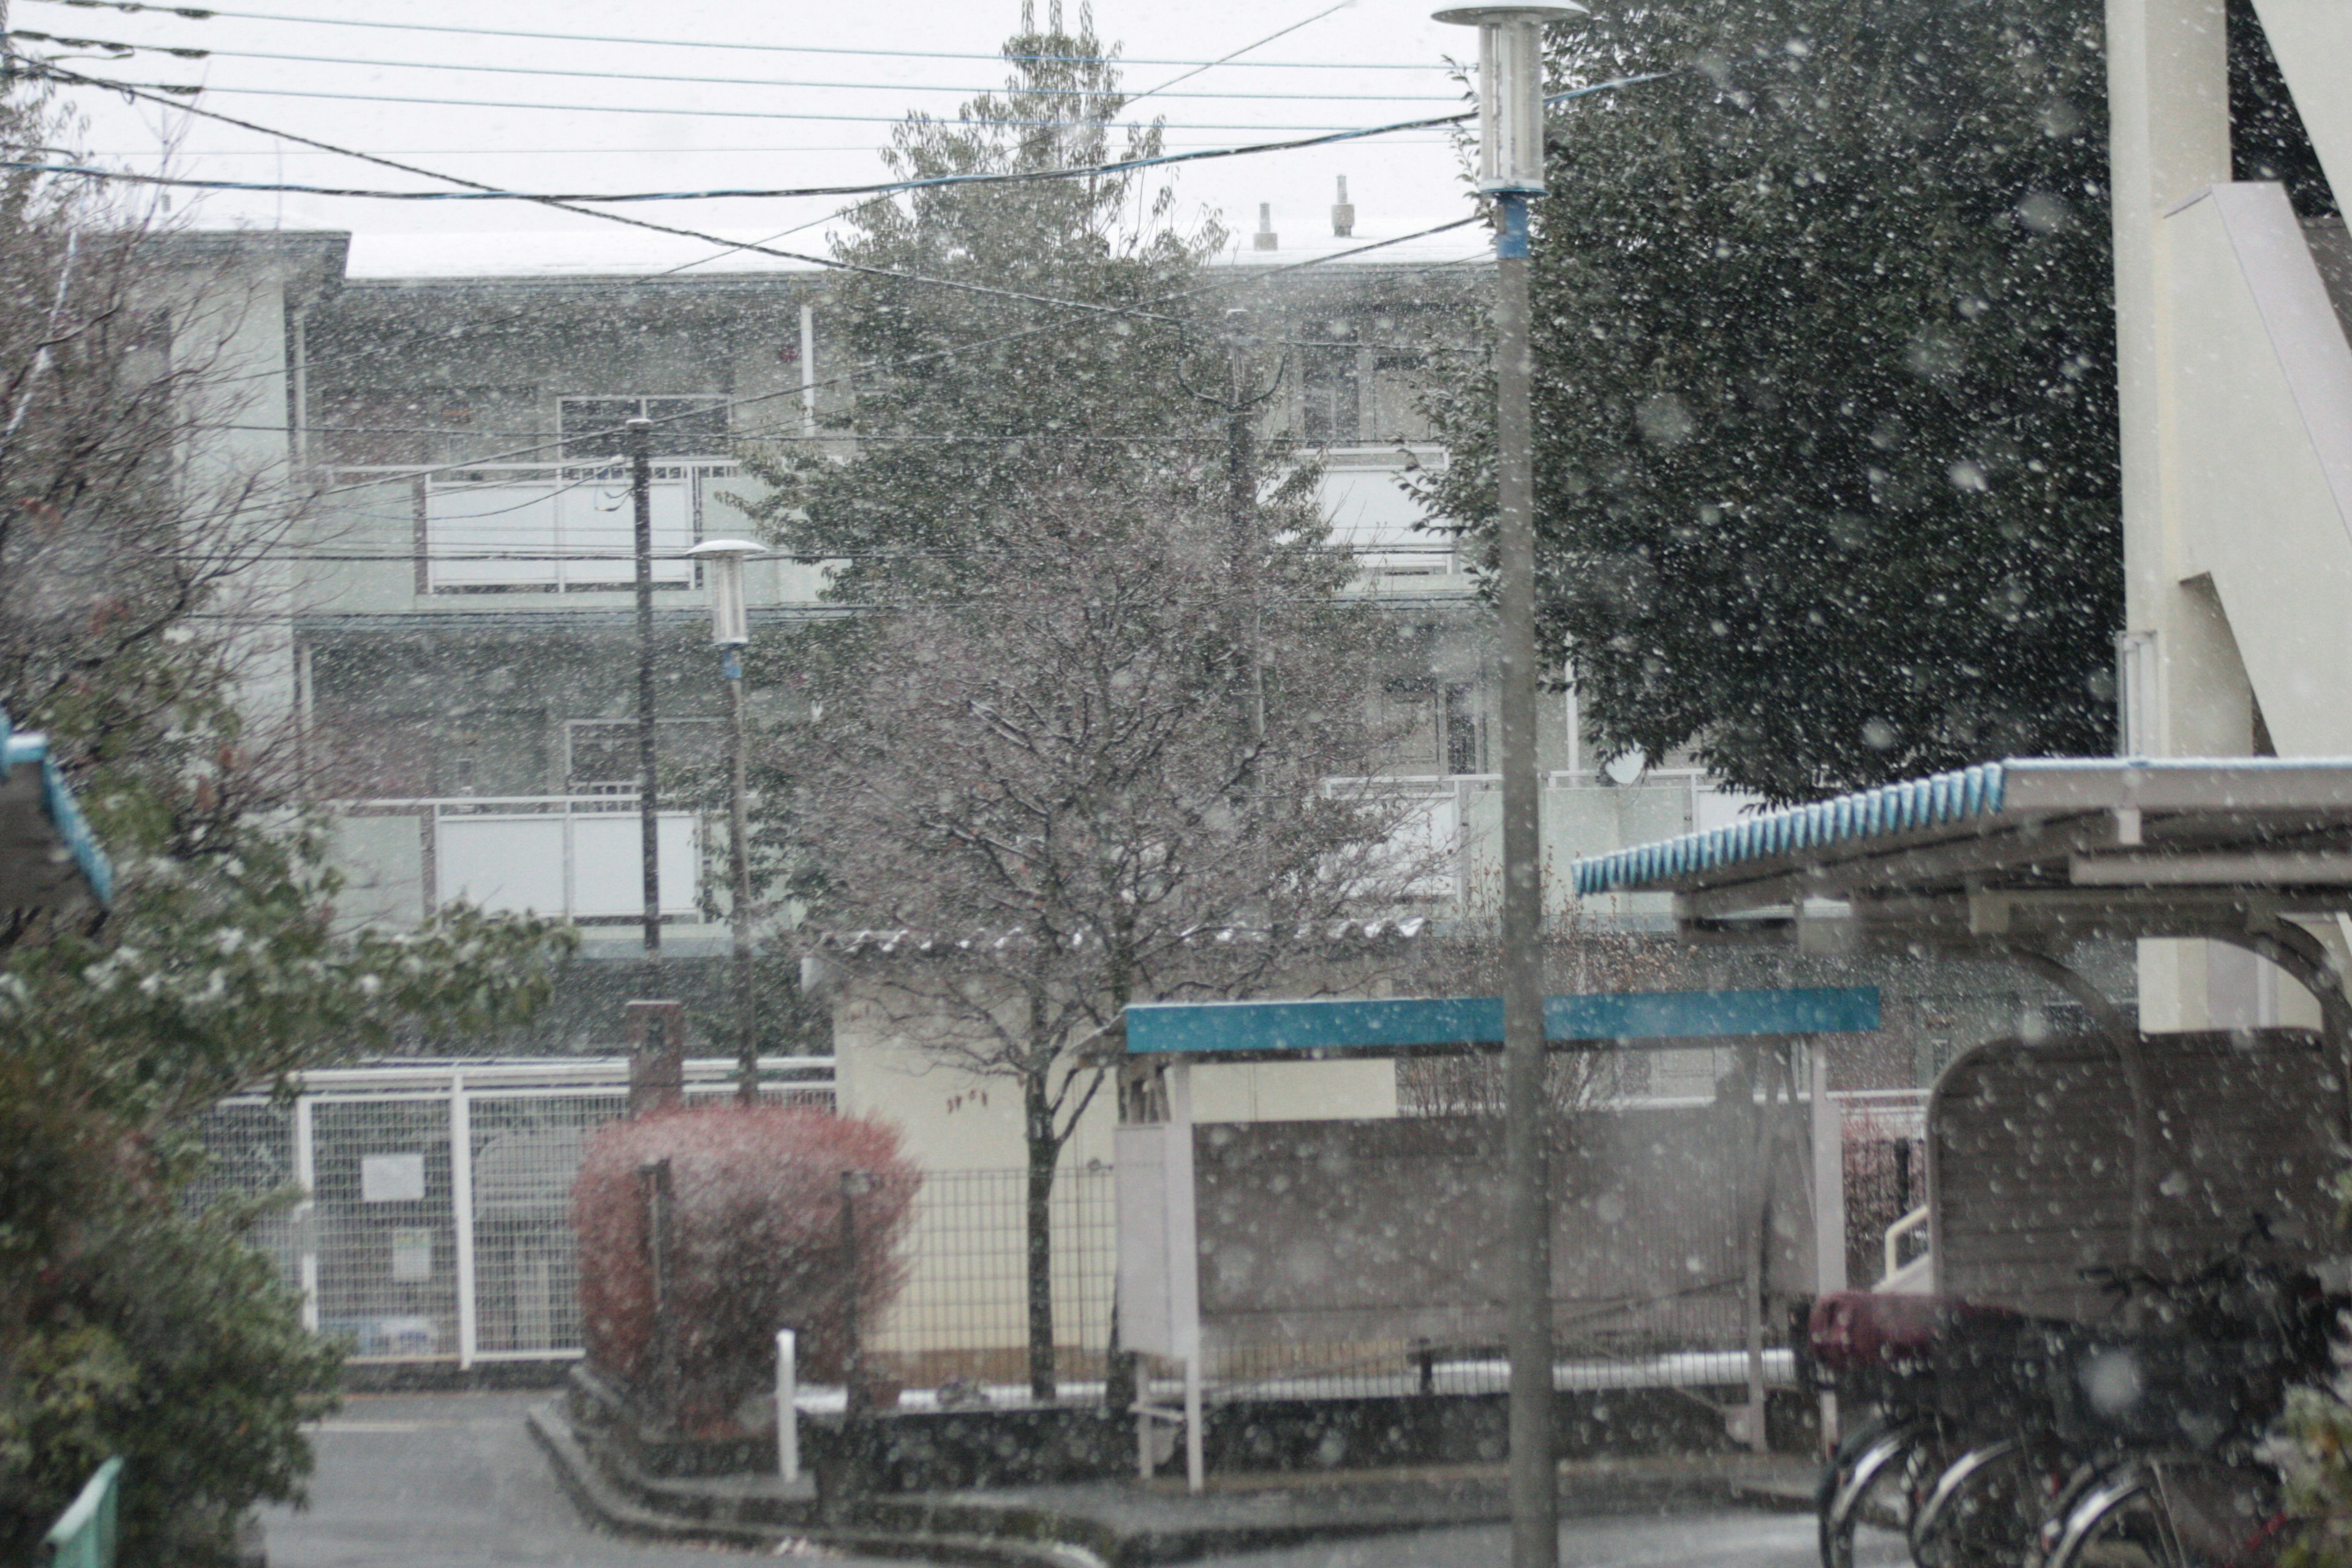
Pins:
x,y
807,117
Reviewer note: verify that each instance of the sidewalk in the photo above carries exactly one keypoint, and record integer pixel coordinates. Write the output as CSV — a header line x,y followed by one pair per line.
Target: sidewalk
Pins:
x,y
1119,1523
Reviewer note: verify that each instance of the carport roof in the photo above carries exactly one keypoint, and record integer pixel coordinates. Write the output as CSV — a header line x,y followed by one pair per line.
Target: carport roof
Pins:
x,y
2122,845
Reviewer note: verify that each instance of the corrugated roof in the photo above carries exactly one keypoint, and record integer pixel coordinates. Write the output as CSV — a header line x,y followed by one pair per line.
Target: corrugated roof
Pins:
x,y
1930,802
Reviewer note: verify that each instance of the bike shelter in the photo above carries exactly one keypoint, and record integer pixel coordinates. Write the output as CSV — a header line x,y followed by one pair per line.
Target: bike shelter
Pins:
x,y
2026,859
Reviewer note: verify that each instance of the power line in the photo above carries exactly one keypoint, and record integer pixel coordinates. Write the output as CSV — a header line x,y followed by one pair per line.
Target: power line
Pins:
x,y
477,192
127,49
642,110
207,14
985,290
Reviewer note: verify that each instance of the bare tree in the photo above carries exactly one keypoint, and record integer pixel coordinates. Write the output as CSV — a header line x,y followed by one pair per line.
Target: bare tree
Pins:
x,y
143,567
1064,788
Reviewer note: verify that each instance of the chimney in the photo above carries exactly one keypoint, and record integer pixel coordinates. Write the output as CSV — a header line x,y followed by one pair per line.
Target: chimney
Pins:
x,y
1343,213
1265,239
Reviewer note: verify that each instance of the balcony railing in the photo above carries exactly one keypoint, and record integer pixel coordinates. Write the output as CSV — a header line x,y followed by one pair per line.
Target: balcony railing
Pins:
x,y
551,526
575,856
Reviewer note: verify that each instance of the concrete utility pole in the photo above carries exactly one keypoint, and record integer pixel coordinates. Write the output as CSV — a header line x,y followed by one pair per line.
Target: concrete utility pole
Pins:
x,y
641,499
1511,171
731,631
1242,401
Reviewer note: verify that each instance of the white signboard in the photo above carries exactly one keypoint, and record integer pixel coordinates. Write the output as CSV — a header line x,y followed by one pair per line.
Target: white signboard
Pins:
x,y
392,1178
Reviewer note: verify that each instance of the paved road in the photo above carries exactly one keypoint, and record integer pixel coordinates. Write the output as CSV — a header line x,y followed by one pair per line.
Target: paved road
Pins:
x,y
452,1481
1729,1540
447,1481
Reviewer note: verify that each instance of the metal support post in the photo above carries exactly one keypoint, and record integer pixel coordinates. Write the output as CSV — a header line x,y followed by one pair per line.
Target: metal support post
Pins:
x,y
788,1416
1195,1466
641,501
461,1205
306,1214
1829,1206
1534,1485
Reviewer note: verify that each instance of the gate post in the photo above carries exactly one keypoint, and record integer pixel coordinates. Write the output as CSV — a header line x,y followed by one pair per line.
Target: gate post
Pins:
x,y
461,1206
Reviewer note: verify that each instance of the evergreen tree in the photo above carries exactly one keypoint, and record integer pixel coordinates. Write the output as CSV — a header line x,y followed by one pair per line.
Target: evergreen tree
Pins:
x,y
1826,467
973,390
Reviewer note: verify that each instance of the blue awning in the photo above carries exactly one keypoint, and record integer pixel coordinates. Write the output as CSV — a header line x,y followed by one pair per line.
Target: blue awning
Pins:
x,y
1378,1027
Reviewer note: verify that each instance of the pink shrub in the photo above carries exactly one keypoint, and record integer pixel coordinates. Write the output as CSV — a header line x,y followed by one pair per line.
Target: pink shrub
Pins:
x,y
755,1245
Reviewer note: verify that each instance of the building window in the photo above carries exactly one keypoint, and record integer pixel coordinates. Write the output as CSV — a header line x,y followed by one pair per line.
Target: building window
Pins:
x,y
683,426
1327,388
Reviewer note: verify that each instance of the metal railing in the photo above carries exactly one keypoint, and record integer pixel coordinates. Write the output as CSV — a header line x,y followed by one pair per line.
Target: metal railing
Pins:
x,y
84,1535
411,1252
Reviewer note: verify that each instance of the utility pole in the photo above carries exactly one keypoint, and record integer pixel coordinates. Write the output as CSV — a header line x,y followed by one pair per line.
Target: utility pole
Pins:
x,y
1511,171
641,499
1242,401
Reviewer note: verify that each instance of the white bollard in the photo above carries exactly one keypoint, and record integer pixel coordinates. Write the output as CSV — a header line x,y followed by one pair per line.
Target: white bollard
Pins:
x,y
788,1416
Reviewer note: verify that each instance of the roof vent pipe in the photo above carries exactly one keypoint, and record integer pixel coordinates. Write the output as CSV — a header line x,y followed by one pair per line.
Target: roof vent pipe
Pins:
x,y
1265,239
1343,214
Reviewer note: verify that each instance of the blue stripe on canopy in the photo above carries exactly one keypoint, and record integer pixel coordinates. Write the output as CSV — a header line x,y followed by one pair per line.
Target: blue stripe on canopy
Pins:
x,y
1289,1028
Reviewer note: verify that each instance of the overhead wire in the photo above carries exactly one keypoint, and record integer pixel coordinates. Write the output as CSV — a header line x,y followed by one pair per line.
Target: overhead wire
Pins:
x,y
478,192
633,108
831,263
196,13
127,49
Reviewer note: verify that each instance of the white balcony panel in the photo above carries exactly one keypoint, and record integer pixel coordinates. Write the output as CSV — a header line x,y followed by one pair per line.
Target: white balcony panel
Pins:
x,y
1371,515
506,865
608,876
558,532
581,865
600,534
492,536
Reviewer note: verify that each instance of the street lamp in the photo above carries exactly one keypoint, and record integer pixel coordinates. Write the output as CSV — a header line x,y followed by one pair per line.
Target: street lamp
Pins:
x,y
730,627
1510,170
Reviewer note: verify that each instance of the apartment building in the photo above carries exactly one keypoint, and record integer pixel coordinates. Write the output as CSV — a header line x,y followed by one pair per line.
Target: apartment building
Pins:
x,y
466,649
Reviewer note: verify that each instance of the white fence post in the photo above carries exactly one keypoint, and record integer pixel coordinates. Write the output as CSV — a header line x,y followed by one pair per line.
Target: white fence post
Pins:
x,y
306,1214
461,1204
788,1414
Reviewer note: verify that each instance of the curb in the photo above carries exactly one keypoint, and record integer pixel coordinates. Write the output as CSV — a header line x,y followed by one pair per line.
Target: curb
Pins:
x,y
605,1504
1022,1533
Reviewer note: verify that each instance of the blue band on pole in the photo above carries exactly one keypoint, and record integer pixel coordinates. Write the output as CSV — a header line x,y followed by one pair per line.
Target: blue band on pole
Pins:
x,y
1378,1027
1511,243
730,664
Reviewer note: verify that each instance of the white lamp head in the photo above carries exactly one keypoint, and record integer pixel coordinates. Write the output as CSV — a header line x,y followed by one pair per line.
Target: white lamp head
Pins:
x,y
1510,92
722,564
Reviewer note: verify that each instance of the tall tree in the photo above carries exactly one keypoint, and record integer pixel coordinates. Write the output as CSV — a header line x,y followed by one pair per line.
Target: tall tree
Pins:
x,y
136,567
1826,465
1054,787
972,383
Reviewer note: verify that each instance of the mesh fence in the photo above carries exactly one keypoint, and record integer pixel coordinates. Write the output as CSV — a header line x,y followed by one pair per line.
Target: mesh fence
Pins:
x,y
409,1252
963,1311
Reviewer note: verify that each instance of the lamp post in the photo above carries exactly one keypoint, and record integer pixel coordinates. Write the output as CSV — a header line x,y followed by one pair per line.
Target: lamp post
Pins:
x,y
1511,171
731,629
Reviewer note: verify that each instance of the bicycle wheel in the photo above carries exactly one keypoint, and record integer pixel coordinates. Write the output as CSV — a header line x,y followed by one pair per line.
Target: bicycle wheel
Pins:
x,y
2157,1513
1869,1494
1981,1510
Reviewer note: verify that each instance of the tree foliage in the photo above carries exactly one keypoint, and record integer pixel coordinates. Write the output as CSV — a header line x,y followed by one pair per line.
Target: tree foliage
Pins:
x,y
1825,464
136,616
975,386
